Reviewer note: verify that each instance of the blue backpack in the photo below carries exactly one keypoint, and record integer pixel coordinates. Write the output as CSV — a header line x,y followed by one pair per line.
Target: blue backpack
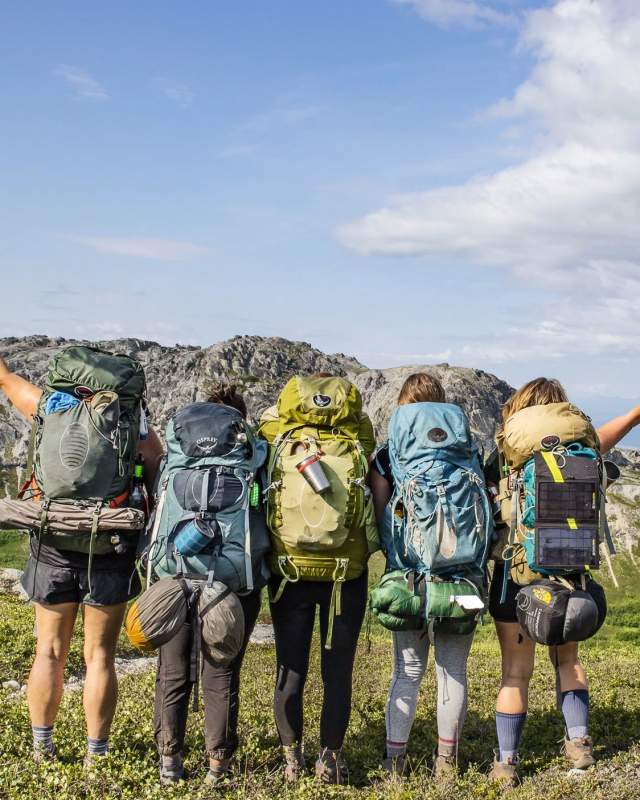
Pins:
x,y
440,521
209,522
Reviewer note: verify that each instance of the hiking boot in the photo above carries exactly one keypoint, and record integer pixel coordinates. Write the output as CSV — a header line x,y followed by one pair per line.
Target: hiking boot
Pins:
x,y
505,771
579,752
330,768
295,766
444,766
395,766
41,753
171,769
218,777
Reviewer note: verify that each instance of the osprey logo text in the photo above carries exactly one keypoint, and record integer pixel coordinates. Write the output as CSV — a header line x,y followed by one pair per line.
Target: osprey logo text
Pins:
x,y
206,443
322,400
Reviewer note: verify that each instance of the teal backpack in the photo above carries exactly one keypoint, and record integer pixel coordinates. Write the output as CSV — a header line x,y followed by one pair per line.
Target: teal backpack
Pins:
x,y
442,522
439,520
208,522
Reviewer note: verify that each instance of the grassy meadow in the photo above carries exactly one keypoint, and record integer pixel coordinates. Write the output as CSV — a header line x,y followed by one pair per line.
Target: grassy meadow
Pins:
x,y
130,771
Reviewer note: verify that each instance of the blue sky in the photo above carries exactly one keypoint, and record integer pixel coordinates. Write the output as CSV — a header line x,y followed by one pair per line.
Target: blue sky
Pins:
x,y
407,181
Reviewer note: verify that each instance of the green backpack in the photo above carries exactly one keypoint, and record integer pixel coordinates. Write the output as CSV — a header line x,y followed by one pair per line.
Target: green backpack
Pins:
x,y
323,535
85,437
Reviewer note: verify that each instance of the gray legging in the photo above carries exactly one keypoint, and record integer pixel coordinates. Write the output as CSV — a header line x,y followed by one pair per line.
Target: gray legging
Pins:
x,y
410,652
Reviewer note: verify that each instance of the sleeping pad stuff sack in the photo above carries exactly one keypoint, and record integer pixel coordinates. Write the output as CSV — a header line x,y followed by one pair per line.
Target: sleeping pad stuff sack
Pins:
x,y
404,600
216,614
554,612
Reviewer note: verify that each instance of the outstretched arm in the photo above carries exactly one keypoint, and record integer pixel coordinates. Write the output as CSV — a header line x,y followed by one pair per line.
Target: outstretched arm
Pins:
x,y
24,396
613,431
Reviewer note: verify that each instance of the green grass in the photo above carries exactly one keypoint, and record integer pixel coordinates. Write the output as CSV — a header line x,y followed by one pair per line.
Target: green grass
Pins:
x,y
611,659
14,548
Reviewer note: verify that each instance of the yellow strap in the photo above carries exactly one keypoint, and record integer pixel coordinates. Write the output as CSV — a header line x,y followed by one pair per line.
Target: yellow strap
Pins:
x,y
557,477
553,467
335,607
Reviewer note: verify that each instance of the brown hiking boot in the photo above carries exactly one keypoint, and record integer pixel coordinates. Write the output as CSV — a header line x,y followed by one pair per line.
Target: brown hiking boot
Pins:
x,y
579,752
330,768
505,771
395,766
443,766
295,766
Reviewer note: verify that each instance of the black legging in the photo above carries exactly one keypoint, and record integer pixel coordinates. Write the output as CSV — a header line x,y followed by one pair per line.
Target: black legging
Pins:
x,y
293,620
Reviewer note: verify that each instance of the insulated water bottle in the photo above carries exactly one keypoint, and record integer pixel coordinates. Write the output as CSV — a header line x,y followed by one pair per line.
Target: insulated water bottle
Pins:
x,y
311,468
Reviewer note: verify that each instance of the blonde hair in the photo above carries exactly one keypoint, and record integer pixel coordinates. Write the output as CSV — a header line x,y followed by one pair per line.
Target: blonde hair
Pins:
x,y
538,392
421,388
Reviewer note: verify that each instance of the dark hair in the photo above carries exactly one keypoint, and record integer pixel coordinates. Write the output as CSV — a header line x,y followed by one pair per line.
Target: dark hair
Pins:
x,y
322,375
421,388
227,394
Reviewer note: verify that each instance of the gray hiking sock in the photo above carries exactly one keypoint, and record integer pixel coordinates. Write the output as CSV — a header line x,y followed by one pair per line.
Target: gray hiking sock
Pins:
x,y
509,728
575,709
97,747
43,738
396,749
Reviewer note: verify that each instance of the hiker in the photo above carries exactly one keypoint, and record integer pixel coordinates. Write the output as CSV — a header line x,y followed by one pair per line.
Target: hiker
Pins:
x,y
209,442
322,525
540,428
395,475
60,579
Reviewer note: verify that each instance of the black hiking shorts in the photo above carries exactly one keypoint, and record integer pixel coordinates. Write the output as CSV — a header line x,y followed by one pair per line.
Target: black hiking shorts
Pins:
x,y
52,584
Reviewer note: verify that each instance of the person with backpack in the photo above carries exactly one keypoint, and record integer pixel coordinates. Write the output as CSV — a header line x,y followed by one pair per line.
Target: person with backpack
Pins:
x,y
437,528
551,484
322,524
89,425
210,535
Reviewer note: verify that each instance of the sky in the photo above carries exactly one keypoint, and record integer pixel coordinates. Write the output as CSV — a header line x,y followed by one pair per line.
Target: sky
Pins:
x,y
406,181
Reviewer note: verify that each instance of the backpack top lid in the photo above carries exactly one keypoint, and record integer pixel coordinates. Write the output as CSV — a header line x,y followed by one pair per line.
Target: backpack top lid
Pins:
x,y
208,434
80,371
524,431
422,432
323,402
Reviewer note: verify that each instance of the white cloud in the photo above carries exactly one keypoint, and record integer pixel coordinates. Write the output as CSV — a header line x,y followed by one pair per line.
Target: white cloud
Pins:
x,y
181,94
566,217
158,249
81,82
467,13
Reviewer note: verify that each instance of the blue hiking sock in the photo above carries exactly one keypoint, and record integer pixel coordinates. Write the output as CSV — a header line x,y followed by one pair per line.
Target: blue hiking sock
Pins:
x,y
43,737
575,709
509,728
97,747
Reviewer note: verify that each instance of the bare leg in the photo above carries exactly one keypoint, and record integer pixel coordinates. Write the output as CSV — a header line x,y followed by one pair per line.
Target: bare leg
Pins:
x,y
518,658
101,629
54,626
570,672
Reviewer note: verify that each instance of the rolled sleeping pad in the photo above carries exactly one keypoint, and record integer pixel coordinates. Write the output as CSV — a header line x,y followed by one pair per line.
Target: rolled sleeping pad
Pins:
x,y
222,623
157,615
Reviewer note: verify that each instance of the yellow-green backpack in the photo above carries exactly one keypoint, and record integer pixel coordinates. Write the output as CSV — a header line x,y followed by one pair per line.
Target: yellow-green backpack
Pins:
x,y
326,536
